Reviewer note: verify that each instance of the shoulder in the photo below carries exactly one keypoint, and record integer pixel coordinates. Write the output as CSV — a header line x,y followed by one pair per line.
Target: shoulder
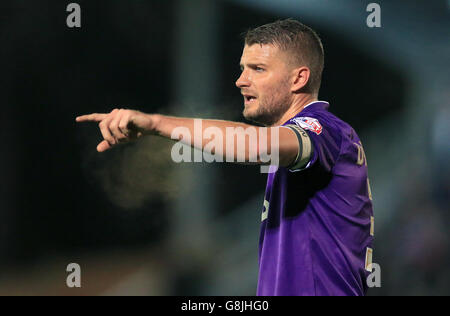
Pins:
x,y
321,123
327,134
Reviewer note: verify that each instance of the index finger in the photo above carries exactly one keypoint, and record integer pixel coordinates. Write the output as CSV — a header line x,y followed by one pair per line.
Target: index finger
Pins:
x,y
95,117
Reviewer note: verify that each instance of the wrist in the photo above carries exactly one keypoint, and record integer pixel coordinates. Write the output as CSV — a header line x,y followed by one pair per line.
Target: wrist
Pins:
x,y
153,124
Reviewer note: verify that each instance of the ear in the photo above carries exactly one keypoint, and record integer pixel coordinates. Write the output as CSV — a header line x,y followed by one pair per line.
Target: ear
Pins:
x,y
300,77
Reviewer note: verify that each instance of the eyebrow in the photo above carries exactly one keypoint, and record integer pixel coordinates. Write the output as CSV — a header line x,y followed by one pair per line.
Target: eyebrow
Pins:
x,y
253,65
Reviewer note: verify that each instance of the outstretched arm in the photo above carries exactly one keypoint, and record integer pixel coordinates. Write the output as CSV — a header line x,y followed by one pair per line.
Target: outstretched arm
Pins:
x,y
249,142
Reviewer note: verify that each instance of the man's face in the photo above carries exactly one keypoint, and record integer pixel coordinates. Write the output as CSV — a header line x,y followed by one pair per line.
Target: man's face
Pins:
x,y
264,83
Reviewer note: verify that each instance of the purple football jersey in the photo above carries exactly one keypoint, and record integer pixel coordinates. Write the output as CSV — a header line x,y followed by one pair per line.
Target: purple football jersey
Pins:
x,y
317,222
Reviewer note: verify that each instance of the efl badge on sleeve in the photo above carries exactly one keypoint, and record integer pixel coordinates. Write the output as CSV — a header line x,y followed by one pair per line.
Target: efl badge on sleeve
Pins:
x,y
309,123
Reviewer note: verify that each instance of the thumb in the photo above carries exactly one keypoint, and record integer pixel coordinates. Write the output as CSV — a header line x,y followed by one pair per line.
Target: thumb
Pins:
x,y
103,146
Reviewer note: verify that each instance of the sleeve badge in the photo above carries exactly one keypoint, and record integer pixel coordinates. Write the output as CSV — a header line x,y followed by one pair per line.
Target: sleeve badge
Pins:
x,y
308,123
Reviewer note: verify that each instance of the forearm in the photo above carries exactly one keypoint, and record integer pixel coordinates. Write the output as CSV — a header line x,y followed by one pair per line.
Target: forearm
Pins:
x,y
233,141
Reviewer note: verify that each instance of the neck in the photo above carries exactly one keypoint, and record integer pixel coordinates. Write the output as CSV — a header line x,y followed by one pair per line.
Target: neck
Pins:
x,y
296,107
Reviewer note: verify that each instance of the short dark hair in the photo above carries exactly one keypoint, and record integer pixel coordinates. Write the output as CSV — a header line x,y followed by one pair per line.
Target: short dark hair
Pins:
x,y
299,40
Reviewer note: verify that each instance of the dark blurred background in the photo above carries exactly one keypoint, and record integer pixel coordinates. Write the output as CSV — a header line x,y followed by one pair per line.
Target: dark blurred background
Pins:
x,y
138,223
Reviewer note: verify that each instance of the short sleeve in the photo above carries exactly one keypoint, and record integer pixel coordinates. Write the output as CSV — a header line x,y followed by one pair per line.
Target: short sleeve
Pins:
x,y
325,141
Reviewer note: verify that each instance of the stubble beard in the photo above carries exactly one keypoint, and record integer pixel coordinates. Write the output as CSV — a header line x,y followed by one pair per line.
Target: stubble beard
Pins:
x,y
269,110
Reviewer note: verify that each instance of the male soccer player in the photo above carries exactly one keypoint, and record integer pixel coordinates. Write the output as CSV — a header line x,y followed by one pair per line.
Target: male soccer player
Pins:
x,y
317,221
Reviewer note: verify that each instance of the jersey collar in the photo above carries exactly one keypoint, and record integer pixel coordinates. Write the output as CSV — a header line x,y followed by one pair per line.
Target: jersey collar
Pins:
x,y
323,104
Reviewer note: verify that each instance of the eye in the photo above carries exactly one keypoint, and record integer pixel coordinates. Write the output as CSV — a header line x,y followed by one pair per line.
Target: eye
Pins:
x,y
259,69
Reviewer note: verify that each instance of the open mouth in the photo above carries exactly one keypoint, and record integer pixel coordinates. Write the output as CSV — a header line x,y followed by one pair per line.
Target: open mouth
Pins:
x,y
249,98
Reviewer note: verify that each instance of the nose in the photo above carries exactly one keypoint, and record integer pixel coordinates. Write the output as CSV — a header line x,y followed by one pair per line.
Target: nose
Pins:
x,y
243,80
